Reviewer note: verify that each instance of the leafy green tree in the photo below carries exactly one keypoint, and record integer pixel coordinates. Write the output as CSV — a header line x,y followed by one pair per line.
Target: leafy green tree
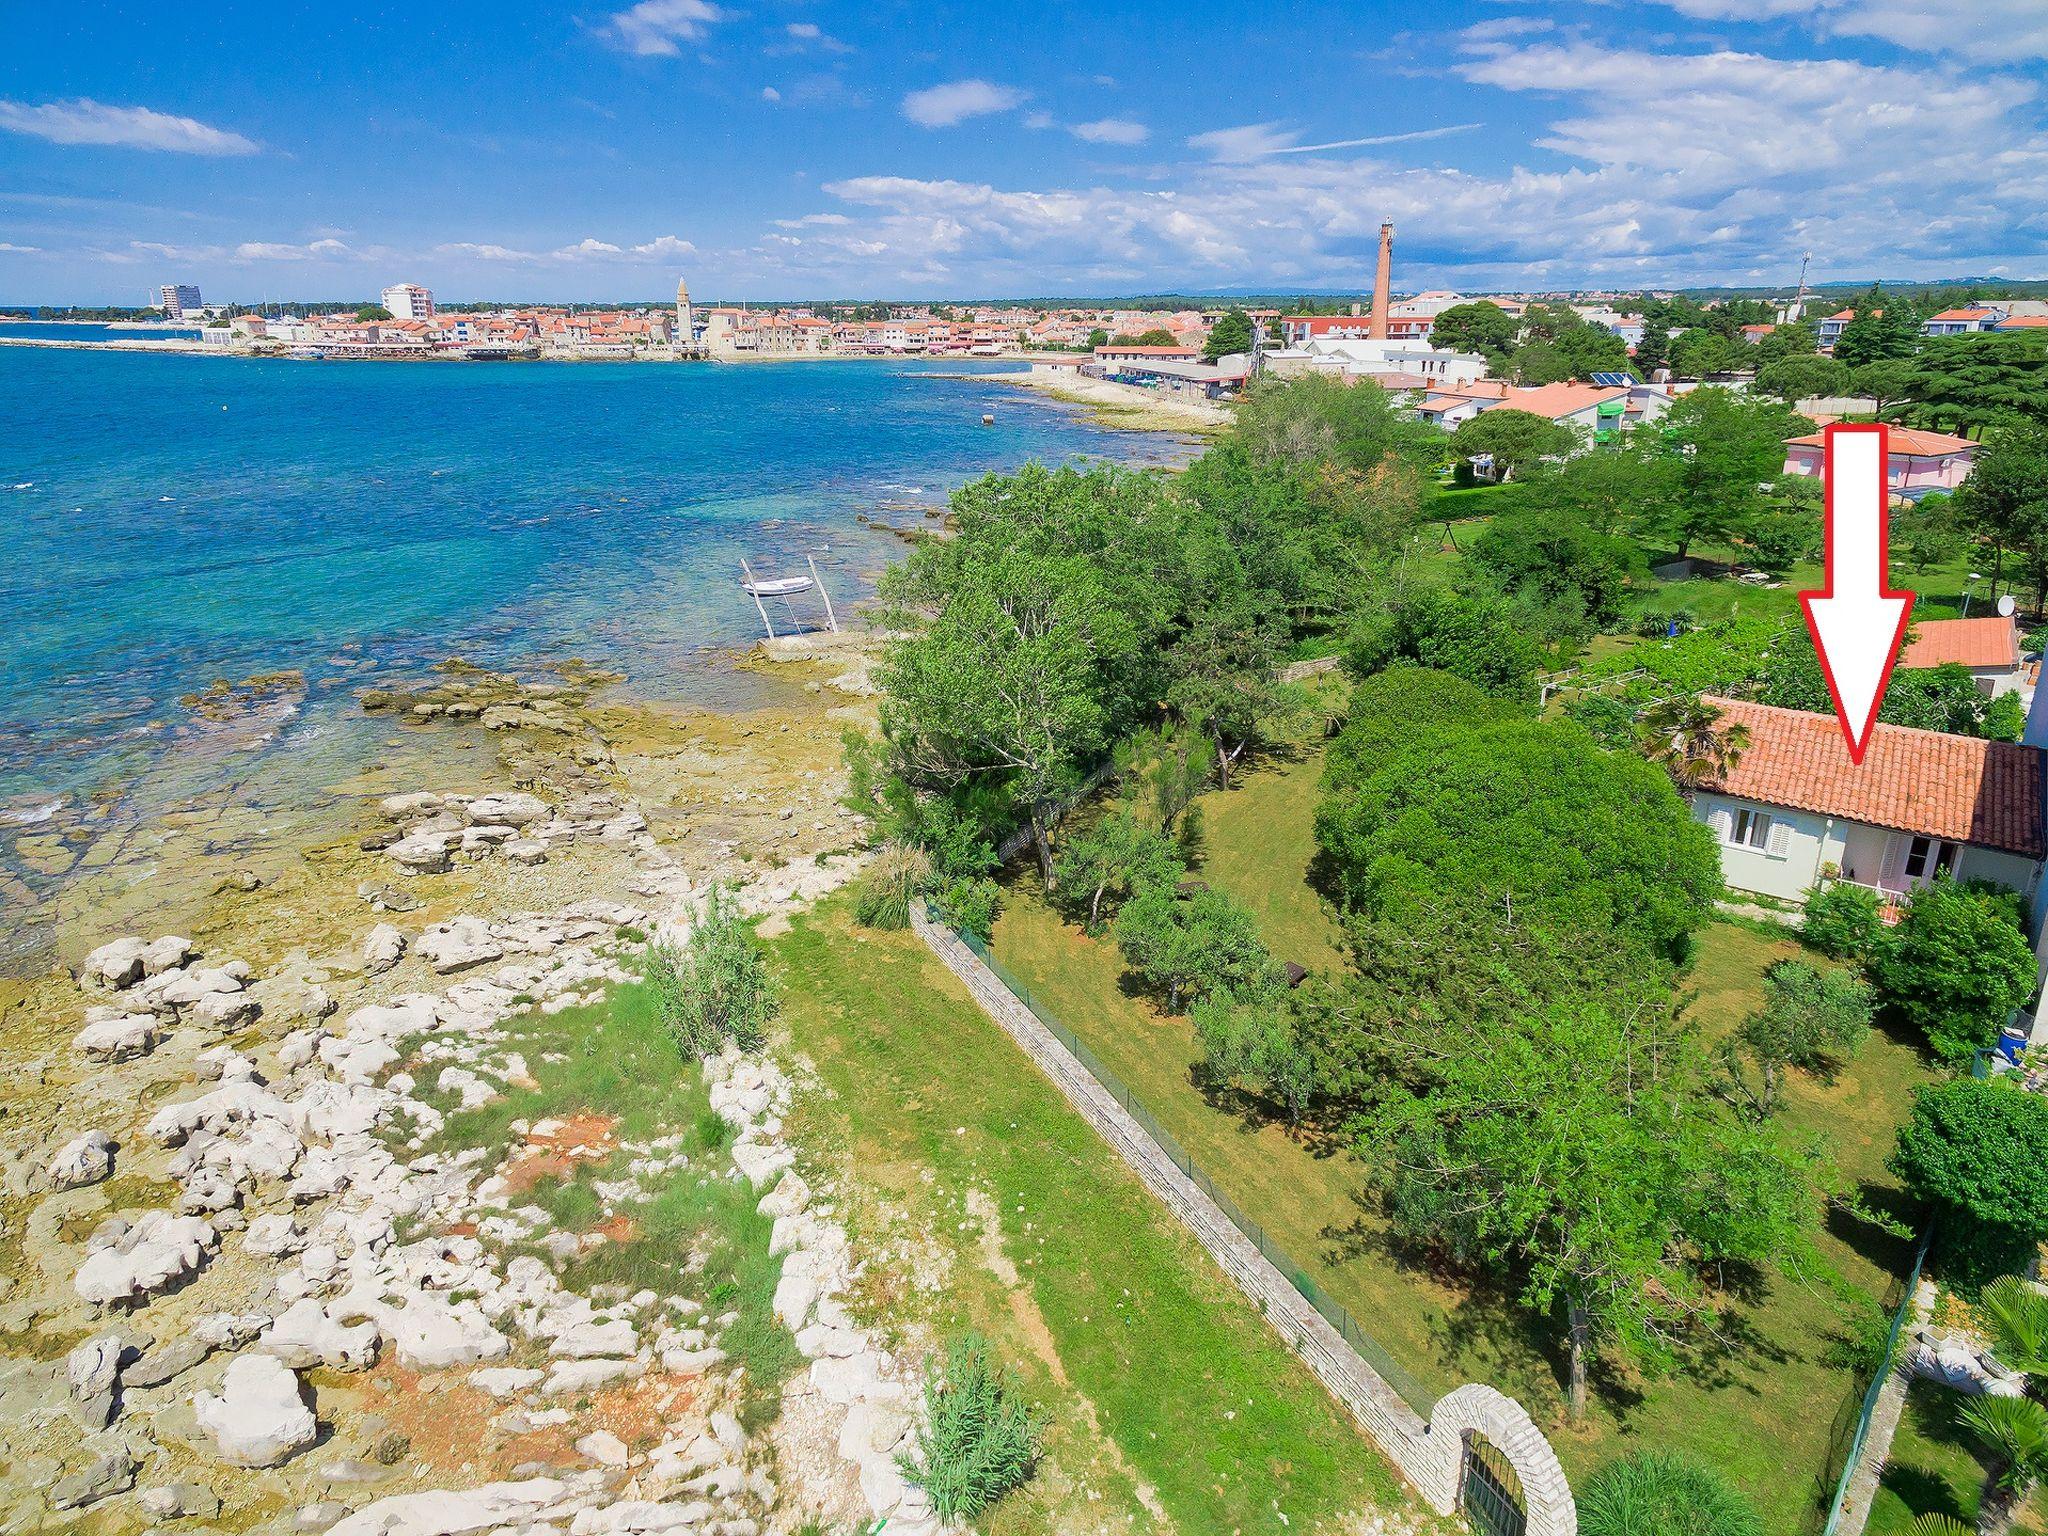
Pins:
x,y
1097,338
1223,662
1526,821
1661,1493
368,312
1719,449
1888,382
1653,351
1957,965
1252,1041
1556,558
1540,362
1700,352
1944,698
1974,1149
1969,384
1590,349
1797,339
1190,946
1480,326
1811,1019
1158,336
1805,377
2006,499
1397,708
1883,327
1232,333
1115,858
1475,636
1574,1150
1512,439
1318,419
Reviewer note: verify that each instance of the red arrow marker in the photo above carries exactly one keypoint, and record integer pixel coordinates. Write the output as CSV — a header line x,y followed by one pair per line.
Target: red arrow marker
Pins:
x,y
1857,622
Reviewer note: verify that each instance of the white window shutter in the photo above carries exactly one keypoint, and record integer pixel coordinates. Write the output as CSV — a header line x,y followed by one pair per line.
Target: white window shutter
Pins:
x,y
1894,865
1781,839
1723,823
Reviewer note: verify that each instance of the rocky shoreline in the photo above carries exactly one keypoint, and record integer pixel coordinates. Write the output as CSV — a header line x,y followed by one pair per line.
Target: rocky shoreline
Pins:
x,y
248,1281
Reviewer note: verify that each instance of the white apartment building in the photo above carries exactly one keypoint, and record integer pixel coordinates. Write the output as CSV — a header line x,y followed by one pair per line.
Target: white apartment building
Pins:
x,y
177,300
409,301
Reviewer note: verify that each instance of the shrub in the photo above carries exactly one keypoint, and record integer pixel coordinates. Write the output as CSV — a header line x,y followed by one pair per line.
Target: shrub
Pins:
x,y
1957,965
896,878
1190,946
1397,708
1658,1493
1974,1149
970,903
1843,921
1475,636
716,988
979,1440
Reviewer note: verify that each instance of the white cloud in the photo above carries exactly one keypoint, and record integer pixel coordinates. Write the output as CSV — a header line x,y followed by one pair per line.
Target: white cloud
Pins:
x,y
942,106
769,93
1255,141
664,247
587,251
1037,122
270,250
659,28
1111,130
1985,29
91,122
804,31
10,248
812,220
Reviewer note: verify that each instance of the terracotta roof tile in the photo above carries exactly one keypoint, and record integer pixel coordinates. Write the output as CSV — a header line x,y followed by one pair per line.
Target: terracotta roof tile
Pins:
x,y
1926,782
1909,441
1992,642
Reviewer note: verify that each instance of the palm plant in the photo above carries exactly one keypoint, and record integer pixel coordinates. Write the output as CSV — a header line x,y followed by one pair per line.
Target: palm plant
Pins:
x,y
2015,1431
1684,736
1941,1525
2016,1317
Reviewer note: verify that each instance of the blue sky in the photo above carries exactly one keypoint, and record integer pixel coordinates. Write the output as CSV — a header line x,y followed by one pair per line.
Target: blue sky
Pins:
x,y
787,148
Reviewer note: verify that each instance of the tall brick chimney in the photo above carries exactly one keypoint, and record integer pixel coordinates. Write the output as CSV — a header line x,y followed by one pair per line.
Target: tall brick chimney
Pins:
x,y
1381,283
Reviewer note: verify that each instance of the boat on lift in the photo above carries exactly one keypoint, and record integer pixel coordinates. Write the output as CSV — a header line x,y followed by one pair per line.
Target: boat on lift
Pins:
x,y
785,587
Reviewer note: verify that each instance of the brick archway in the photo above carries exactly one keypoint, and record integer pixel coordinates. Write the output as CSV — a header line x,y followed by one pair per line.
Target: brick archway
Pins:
x,y
1481,1410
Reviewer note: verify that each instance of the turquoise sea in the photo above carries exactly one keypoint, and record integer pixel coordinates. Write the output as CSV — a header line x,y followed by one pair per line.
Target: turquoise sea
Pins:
x,y
171,520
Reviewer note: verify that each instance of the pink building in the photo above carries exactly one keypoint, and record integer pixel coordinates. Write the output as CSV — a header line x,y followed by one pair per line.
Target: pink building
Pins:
x,y
1915,463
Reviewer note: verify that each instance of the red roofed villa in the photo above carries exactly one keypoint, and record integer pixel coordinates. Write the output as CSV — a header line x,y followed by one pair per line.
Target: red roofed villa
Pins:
x,y
1915,462
1794,810
1989,647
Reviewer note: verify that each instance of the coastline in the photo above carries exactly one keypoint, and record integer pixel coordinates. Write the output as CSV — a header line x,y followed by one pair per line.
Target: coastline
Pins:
x,y
1123,407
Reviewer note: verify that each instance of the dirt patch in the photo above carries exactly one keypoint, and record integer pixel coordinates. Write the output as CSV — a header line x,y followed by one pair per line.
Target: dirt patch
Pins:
x,y
554,1148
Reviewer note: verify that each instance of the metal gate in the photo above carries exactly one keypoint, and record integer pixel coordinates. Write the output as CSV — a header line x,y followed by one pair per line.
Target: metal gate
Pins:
x,y
1489,1492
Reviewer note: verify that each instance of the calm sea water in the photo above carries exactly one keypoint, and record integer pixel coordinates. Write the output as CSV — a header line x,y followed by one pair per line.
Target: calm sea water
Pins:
x,y
173,520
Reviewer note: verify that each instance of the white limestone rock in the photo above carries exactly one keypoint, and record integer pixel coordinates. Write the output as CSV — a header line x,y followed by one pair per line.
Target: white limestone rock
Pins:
x,y
458,944
446,1512
259,1418
433,1334
116,964
383,948
307,1334
83,1160
157,1252
119,1037
513,809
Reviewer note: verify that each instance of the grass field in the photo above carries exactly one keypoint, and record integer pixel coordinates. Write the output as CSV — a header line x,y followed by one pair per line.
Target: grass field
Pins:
x,y
986,1203
1762,1411
1934,1469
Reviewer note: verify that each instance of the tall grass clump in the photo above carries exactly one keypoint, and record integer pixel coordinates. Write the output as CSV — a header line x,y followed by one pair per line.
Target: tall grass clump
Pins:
x,y
1656,1493
716,987
899,874
980,1438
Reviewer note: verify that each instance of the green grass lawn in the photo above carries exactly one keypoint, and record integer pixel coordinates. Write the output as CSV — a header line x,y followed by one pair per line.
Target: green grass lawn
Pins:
x,y
1762,1412
984,1202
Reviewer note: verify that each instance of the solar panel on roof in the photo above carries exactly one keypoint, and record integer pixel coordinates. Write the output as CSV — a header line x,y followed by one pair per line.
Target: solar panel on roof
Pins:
x,y
1615,380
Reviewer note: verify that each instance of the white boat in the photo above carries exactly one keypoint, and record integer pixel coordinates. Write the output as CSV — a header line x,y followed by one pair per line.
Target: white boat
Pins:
x,y
777,586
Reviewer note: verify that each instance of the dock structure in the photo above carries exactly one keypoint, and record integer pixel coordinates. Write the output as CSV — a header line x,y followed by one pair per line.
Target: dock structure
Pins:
x,y
760,588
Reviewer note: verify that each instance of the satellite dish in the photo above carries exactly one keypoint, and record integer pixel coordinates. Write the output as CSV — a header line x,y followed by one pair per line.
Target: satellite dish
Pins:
x,y
2006,606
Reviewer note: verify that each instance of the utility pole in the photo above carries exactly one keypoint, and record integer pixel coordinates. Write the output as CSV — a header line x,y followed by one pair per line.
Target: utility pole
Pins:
x,y
1799,300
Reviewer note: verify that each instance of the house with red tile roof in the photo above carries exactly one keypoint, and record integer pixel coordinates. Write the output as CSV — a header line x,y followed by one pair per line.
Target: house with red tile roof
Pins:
x,y
1916,462
1794,811
1962,320
1989,647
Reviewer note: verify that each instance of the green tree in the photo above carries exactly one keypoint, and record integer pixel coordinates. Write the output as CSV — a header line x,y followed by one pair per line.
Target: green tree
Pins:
x,y
1969,384
367,312
1574,1149
1475,636
1158,336
1116,858
1811,1019
1718,449
1224,658
1888,382
1190,946
1555,557
1097,338
1524,821
1957,965
1396,708
1804,376
1843,921
1797,339
1480,326
1251,1041
1321,420
1699,352
2005,500
1540,362
1232,333
1512,439
1653,351
1974,1149
1882,327
1590,349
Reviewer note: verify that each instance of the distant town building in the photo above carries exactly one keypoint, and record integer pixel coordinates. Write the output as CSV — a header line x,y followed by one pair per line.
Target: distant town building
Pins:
x,y
177,300
409,301
686,316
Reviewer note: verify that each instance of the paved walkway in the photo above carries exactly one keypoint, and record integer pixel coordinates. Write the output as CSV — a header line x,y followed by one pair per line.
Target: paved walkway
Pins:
x,y
1392,1424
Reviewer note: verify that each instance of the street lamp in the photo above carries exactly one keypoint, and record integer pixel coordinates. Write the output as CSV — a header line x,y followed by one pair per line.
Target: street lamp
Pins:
x,y
1975,577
